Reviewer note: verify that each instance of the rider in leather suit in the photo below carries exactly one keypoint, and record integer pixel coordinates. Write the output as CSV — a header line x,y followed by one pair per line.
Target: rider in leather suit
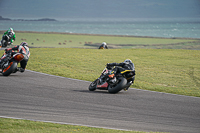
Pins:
x,y
11,33
23,49
126,65
103,46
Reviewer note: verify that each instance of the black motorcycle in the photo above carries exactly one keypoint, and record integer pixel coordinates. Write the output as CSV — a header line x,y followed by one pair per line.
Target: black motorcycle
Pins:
x,y
6,40
111,81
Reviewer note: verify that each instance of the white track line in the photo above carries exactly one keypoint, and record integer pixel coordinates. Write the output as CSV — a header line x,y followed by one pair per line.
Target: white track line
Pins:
x,y
129,88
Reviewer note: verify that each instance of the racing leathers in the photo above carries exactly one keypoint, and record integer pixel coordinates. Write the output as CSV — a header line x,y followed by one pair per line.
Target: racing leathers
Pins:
x,y
11,34
23,50
103,46
119,67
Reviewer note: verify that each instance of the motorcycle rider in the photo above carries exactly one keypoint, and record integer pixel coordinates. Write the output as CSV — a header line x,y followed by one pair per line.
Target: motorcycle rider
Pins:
x,y
23,49
126,65
103,46
10,32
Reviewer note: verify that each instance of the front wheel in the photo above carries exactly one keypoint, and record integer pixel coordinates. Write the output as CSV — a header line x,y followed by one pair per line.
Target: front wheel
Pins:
x,y
9,69
93,85
3,43
115,89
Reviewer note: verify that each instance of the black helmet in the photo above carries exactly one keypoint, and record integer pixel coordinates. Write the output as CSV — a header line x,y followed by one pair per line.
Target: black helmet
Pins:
x,y
127,61
24,44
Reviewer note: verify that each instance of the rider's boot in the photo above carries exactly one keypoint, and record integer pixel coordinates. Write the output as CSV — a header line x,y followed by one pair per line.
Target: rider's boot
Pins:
x,y
20,69
128,85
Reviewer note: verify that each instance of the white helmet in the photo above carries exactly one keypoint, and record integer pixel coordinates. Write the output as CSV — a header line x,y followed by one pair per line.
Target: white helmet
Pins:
x,y
127,61
10,30
104,43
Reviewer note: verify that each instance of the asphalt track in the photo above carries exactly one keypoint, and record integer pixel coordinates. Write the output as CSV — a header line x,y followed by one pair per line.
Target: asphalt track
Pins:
x,y
42,97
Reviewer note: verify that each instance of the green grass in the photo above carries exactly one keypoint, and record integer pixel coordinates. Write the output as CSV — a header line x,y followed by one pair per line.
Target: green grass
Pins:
x,y
26,126
79,41
164,70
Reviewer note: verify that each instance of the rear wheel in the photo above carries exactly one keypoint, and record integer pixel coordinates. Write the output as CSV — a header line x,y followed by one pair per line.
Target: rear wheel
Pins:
x,y
9,69
93,85
115,89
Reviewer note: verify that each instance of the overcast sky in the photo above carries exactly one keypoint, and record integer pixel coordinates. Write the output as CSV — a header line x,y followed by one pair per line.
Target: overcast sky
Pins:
x,y
60,9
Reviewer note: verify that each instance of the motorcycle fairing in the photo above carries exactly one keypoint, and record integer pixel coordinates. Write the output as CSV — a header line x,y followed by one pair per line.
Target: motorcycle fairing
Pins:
x,y
105,85
128,74
126,71
4,70
18,57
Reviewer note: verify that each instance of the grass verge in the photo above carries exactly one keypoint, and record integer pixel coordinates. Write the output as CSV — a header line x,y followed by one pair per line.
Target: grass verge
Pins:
x,y
27,126
163,70
157,69
64,40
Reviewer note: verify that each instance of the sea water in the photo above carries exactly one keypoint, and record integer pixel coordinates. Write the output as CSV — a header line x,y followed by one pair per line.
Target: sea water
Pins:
x,y
184,28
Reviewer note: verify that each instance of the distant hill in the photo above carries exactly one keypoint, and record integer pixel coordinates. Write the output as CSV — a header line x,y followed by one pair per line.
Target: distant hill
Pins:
x,y
1,18
43,19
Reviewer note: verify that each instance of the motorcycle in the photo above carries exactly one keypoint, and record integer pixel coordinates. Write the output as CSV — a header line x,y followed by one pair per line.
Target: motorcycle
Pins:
x,y
9,63
111,81
6,40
